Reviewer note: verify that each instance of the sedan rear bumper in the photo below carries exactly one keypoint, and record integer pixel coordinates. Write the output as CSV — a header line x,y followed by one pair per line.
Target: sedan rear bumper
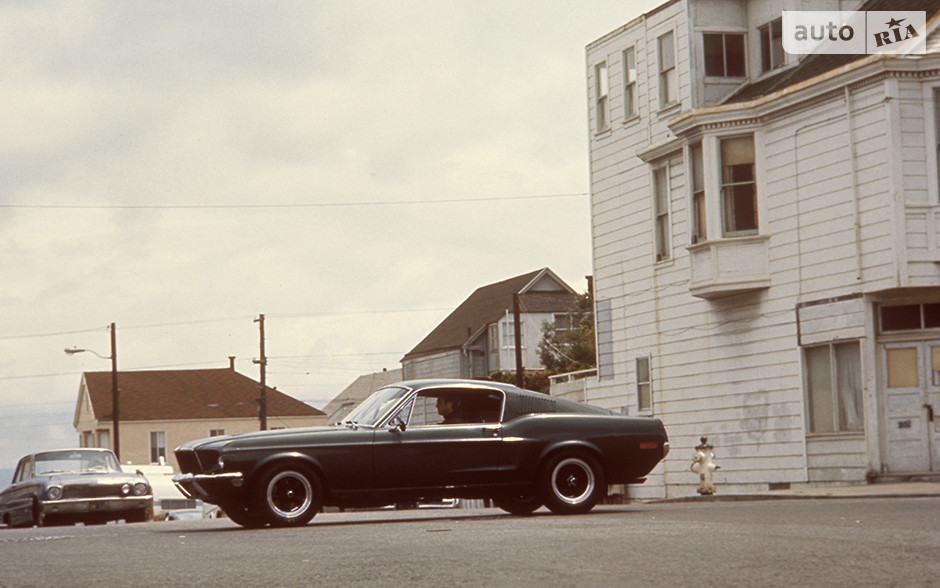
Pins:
x,y
212,488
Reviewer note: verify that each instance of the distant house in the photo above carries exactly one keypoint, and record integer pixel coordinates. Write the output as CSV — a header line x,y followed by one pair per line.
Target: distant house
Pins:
x,y
358,391
159,410
478,337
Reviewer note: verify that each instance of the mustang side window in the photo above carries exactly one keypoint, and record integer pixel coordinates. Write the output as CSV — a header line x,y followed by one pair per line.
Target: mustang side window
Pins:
x,y
455,407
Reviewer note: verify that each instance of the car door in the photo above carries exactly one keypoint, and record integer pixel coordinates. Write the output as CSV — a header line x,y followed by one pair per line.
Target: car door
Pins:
x,y
428,453
16,501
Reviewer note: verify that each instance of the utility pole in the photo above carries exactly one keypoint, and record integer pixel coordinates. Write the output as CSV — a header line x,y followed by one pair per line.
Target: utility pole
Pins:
x,y
517,331
115,408
263,362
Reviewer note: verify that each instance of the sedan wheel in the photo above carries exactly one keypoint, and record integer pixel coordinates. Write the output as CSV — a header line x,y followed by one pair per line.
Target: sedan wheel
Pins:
x,y
39,517
289,496
572,483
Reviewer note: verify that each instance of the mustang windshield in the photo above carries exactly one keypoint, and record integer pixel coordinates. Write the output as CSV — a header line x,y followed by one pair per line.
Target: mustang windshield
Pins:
x,y
371,411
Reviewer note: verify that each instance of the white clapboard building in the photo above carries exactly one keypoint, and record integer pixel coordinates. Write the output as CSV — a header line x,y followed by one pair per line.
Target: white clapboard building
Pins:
x,y
766,245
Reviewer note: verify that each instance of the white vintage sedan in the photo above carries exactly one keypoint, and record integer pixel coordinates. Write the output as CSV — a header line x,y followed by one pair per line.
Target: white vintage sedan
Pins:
x,y
74,485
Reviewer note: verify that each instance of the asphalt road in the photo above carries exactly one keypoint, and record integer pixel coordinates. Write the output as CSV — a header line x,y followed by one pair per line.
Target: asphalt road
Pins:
x,y
832,542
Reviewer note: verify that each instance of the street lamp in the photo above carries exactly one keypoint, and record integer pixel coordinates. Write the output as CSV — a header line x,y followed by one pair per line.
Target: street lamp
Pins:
x,y
115,409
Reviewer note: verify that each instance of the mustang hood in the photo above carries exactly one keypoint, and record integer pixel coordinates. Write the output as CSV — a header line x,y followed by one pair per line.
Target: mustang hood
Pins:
x,y
276,436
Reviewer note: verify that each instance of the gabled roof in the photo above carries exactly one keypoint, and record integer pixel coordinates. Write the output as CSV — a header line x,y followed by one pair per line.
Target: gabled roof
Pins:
x,y
817,64
539,291
187,394
358,391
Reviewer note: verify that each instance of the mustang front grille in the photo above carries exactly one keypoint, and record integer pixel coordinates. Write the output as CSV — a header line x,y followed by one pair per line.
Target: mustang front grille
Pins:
x,y
189,463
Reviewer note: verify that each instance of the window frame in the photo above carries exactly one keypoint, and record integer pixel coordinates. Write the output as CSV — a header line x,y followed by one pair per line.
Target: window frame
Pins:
x,y
829,402
668,76
601,97
724,55
644,384
630,110
156,449
730,187
662,239
772,55
698,206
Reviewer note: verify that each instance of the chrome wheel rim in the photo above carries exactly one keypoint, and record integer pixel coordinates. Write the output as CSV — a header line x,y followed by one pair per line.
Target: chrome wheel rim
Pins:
x,y
573,481
289,494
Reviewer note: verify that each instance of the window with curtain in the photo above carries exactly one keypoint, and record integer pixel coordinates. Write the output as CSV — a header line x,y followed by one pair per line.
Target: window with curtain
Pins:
x,y
668,77
629,83
834,387
601,91
157,446
771,45
697,172
661,212
738,186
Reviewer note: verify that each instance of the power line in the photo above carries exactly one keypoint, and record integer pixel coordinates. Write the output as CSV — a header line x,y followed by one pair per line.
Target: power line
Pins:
x,y
295,205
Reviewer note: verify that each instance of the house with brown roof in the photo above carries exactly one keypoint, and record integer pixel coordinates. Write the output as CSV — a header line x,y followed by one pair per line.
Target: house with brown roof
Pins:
x,y
478,337
159,410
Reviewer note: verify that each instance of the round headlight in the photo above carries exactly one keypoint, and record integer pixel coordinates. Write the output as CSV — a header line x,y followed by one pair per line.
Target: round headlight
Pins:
x,y
54,492
140,489
126,489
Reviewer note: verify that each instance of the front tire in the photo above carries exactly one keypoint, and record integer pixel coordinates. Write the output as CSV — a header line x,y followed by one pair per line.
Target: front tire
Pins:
x,y
520,505
288,496
572,483
241,516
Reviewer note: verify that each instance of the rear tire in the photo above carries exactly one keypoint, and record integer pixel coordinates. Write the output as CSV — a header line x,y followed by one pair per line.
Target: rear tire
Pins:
x,y
572,482
288,496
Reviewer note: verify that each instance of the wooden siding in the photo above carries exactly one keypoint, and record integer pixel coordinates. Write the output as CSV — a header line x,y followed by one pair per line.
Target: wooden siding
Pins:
x,y
439,365
730,368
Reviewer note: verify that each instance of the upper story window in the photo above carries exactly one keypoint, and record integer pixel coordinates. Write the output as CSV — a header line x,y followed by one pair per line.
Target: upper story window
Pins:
x,y
738,186
644,384
771,45
661,212
629,83
601,91
936,106
697,173
509,333
724,54
668,77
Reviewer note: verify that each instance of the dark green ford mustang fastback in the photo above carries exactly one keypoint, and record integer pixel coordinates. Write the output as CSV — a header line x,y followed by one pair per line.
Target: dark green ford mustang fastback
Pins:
x,y
422,441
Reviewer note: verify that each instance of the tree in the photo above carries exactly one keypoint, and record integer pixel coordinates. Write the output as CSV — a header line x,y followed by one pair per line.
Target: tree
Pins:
x,y
570,347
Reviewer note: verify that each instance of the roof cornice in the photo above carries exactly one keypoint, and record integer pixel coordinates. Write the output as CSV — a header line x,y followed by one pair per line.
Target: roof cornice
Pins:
x,y
870,69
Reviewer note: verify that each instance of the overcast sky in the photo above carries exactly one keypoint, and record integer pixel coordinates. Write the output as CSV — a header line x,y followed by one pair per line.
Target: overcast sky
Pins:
x,y
351,169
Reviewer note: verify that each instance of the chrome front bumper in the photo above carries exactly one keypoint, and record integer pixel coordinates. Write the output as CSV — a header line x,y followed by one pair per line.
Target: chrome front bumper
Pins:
x,y
92,505
208,487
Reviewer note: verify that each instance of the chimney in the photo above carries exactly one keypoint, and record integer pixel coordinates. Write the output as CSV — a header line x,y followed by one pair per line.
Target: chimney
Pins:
x,y
231,362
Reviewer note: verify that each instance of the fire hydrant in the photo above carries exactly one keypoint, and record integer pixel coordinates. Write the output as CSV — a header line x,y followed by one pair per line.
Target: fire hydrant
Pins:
x,y
703,464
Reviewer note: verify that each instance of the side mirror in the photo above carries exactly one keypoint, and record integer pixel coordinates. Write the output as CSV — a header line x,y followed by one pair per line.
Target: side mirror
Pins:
x,y
396,424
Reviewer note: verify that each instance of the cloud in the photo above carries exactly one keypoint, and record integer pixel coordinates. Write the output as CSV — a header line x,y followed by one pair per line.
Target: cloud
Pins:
x,y
179,168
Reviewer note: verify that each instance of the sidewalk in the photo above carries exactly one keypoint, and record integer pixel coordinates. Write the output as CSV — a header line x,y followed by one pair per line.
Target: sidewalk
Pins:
x,y
878,490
